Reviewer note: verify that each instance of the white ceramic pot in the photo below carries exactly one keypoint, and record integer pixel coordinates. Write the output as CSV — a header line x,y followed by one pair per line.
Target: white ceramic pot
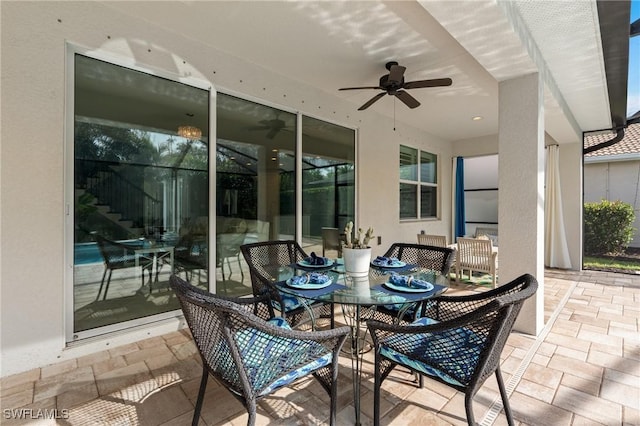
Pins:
x,y
356,261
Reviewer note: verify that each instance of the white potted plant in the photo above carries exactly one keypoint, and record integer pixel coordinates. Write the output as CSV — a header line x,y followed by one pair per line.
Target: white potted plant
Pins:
x,y
356,251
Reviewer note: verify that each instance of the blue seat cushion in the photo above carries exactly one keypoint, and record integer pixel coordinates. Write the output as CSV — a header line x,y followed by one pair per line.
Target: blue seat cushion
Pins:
x,y
290,303
264,354
451,355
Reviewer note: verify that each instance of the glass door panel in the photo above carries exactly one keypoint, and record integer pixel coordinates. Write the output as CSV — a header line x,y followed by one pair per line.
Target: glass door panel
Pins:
x,y
255,184
141,191
328,184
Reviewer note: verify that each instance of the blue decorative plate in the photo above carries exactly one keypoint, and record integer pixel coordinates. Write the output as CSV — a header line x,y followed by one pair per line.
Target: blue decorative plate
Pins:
x,y
309,286
425,286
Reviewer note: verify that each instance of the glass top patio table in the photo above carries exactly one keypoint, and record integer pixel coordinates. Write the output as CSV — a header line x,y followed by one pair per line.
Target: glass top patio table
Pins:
x,y
359,297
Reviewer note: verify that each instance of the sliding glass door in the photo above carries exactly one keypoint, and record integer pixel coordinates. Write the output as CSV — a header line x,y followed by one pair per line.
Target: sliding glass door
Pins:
x,y
141,179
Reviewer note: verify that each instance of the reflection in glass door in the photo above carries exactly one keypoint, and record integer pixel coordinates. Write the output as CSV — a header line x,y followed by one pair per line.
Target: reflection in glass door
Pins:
x,y
141,160
328,180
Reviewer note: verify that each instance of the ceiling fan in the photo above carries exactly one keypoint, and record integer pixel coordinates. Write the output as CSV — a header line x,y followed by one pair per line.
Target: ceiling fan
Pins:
x,y
272,126
393,83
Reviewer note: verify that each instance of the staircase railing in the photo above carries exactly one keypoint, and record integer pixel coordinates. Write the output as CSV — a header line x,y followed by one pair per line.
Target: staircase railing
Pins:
x,y
112,188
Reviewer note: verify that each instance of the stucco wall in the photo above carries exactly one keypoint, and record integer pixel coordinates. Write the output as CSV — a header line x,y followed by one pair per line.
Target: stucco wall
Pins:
x,y
34,270
614,180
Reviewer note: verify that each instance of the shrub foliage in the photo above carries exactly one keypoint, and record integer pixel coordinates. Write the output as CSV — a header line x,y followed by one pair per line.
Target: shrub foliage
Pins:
x,y
607,227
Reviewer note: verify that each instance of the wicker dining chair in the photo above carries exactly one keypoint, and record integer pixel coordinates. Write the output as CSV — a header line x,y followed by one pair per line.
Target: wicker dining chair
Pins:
x,y
265,260
457,341
433,258
251,352
118,255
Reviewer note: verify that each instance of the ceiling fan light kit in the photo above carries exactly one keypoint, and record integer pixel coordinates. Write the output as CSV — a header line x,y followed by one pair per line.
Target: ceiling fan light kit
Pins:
x,y
394,84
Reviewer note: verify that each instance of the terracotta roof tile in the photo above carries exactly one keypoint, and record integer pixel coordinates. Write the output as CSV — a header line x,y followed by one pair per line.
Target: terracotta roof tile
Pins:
x,y
630,144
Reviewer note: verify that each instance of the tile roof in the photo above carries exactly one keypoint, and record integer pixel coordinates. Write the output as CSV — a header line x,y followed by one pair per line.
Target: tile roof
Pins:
x,y
630,144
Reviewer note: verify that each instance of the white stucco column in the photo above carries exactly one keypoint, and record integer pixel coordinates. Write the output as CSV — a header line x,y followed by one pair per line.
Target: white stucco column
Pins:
x,y
521,190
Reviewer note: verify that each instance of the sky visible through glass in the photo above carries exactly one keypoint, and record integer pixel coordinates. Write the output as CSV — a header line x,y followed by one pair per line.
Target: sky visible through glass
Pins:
x,y
633,94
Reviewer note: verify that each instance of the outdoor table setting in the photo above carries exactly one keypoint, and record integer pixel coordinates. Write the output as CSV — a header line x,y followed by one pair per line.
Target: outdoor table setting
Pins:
x,y
389,282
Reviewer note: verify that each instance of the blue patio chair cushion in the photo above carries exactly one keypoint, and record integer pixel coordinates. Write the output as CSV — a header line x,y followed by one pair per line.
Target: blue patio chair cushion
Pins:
x,y
290,302
263,354
455,351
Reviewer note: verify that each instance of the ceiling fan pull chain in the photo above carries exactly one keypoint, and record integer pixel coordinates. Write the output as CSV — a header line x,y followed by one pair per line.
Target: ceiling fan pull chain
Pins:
x,y
394,114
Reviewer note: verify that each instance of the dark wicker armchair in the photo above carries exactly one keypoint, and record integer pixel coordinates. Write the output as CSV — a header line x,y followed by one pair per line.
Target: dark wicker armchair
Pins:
x,y
434,258
457,341
120,256
252,356
265,260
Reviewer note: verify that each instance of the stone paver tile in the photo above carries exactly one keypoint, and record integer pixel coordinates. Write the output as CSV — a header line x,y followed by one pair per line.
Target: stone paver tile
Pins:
x,y
410,414
620,393
572,353
576,367
588,406
123,350
93,358
546,377
56,385
614,362
541,360
163,406
122,377
630,416
606,348
625,333
145,354
151,342
535,412
177,337
535,390
109,364
77,396
17,389
621,377
17,399
578,383
20,378
219,405
583,421
184,350
184,419
58,368
568,342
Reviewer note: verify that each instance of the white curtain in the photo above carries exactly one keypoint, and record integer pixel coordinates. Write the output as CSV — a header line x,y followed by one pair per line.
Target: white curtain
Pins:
x,y
556,250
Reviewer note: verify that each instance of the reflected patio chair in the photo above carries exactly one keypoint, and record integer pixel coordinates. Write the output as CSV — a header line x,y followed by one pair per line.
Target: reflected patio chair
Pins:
x,y
432,258
229,247
331,240
191,254
118,255
457,341
266,260
432,240
250,352
475,255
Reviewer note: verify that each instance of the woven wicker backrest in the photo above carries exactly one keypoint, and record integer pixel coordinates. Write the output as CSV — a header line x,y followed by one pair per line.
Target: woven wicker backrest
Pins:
x,y
489,318
427,257
432,240
266,258
115,254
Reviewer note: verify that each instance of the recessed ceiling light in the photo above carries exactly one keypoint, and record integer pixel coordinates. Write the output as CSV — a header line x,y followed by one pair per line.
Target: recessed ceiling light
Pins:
x,y
477,118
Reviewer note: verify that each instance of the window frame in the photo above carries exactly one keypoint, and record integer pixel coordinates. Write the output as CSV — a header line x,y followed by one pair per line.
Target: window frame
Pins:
x,y
419,184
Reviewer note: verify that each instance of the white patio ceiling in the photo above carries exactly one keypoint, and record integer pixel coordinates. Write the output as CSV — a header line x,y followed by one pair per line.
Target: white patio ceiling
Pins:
x,y
478,43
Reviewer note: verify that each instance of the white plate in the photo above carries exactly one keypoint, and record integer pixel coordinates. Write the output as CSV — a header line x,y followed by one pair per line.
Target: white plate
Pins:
x,y
305,264
405,289
309,286
399,264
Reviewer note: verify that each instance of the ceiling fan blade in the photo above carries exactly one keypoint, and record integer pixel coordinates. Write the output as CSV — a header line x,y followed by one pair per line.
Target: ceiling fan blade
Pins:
x,y
408,100
396,72
358,88
371,101
258,127
436,82
272,133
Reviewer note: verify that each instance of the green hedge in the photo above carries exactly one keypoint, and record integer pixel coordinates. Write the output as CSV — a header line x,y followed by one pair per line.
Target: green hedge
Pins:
x,y
607,227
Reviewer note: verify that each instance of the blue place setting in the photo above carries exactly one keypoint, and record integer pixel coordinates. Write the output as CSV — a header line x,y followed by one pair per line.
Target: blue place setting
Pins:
x,y
407,284
315,261
388,262
312,280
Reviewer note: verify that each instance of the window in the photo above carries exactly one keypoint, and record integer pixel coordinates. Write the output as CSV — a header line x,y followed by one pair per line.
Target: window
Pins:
x,y
418,184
